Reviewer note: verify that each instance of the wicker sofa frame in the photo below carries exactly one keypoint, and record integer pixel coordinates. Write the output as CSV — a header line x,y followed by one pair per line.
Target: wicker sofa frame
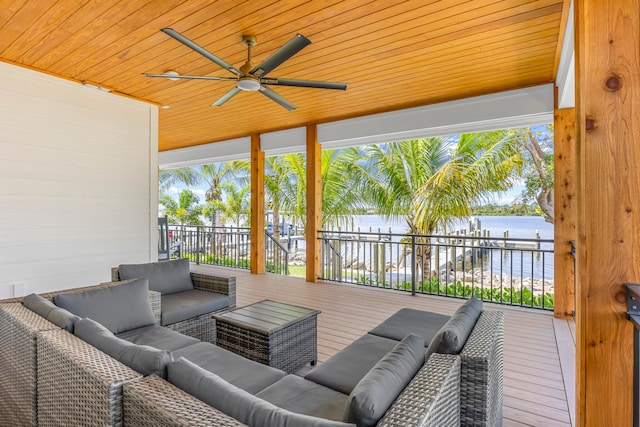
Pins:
x,y
202,327
48,374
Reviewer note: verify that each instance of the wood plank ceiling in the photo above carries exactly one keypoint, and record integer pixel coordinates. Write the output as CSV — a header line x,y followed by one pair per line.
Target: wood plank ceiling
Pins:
x,y
394,54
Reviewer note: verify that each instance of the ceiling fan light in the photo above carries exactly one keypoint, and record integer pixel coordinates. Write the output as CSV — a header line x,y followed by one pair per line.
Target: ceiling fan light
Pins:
x,y
248,84
172,73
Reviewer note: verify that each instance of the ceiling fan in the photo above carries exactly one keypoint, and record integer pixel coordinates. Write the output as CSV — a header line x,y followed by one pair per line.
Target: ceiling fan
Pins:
x,y
252,78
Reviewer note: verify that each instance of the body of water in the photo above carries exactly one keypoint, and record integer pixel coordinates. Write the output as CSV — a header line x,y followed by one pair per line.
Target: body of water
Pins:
x,y
517,263
523,227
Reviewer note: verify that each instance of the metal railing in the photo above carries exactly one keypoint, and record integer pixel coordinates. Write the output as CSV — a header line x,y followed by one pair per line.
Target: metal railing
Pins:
x,y
276,255
223,246
502,270
633,314
227,247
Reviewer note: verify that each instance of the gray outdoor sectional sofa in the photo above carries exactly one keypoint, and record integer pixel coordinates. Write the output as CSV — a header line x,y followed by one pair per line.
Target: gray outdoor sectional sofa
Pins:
x,y
97,368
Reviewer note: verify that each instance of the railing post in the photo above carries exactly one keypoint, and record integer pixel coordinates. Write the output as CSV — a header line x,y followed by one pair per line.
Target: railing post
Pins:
x,y
413,265
198,245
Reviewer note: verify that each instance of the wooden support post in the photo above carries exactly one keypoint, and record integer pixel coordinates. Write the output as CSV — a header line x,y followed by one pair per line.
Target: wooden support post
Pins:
x,y
608,247
314,203
257,206
565,211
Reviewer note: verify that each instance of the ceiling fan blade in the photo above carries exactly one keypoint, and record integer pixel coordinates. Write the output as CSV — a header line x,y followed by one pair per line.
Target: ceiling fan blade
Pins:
x,y
277,98
304,83
202,51
179,76
290,48
227,96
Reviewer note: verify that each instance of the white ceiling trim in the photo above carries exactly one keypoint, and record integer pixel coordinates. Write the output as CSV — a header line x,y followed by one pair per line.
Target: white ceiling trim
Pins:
x,y
224,151
565,78
515,108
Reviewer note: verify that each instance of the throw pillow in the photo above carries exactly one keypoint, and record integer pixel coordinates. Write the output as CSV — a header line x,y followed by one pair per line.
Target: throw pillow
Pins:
x,y
379,388
141,358
453,335
119,308
166,277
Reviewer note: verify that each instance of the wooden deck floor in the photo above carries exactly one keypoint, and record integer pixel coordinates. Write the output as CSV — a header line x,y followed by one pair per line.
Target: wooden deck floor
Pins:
x,y
539,350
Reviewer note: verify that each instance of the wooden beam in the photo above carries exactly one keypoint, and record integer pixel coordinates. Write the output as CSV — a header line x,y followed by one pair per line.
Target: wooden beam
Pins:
x,y
314,203
257,206
565,211
608,133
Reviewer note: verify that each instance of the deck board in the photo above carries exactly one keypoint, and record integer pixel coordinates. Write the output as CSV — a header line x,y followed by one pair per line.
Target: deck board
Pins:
x,y
536,385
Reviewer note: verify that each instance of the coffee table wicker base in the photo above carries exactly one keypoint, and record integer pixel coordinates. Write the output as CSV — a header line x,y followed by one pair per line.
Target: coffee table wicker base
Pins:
x,y
289,348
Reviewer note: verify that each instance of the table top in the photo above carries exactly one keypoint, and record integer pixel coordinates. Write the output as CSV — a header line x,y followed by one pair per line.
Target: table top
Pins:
x,y
266,316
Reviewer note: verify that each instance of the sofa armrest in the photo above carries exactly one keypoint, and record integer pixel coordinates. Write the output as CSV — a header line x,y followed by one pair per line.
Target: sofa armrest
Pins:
x,y
19,327
155,402
225,285
482,372
432,398
77,383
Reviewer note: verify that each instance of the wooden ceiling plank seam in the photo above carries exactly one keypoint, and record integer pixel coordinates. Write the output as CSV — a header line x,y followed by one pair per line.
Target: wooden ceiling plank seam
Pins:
x,y
115,36
21,20
370,110
8,10
205,66
479,72
399,90
40,31
101,21
326,59
149,57
175,50
348,74
299,31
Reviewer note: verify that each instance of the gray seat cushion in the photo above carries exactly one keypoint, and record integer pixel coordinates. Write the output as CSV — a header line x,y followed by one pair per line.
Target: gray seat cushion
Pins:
x,y
185,305
410,321
453,335
298,395
166,277
158,337
141,358
377,391
237,370
54,314
119,308
345,369
235,402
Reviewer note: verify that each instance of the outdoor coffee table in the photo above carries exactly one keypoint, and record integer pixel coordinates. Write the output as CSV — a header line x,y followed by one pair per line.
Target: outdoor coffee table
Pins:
x,y
277,334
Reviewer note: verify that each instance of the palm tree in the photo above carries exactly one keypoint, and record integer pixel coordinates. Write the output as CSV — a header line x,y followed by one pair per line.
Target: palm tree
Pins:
x,y
215,175
184,211
431,181
340,196
238,206
285,183
169,177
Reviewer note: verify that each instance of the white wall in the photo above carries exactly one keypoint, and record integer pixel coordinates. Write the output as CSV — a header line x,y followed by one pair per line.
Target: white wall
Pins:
x,y
78,182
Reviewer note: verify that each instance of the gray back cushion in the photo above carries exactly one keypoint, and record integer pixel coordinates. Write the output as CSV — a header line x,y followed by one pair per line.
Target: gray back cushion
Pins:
x,y
376,392
47,309
453,335
141,358
119,308
236,402
166,277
